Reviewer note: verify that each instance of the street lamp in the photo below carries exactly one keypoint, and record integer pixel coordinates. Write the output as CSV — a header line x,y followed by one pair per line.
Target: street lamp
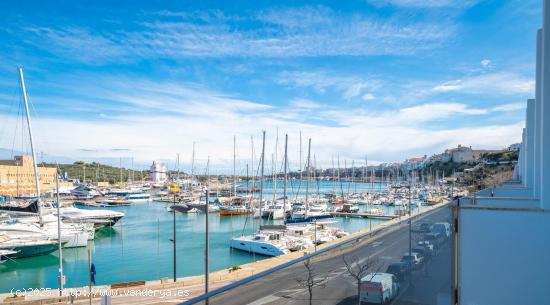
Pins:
x,y
174,237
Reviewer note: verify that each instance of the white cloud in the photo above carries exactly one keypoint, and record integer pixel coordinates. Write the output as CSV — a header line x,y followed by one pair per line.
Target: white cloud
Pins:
x,y
349,86
306,31
454,85
510,107
355,89
304,104
438,111
486,63
498,83
368,97
425,3
156,120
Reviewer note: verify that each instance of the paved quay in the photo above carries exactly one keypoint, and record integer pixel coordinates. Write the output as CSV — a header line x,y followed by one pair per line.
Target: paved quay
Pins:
x,y
166,291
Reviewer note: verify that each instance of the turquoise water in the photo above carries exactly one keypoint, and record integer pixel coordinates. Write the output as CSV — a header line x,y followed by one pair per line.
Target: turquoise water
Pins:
x,y
139,247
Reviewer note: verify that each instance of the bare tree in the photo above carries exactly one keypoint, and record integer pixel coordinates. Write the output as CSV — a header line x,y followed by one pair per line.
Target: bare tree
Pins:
x,y
358,269
312,280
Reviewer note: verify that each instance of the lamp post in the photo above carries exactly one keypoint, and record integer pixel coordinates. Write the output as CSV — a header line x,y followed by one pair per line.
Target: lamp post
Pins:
x,y
59,246
206,247
174,237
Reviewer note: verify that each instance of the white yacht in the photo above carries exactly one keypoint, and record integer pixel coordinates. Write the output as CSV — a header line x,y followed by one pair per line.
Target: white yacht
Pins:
x,y
269,241
99,218
85,191
75,235
276,211
138,198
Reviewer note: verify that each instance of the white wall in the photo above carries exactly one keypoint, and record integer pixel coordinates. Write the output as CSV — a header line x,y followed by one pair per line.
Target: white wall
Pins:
x,y
504,257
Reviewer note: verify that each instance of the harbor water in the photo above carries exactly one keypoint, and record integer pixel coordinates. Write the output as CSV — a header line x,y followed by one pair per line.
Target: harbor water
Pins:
x,y
139,247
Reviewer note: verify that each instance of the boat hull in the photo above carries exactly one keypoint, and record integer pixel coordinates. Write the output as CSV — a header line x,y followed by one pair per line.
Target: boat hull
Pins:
x,y
255,247
230,212
32,250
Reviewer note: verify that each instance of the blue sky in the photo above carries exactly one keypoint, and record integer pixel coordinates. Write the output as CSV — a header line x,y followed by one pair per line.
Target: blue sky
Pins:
x,y
387,78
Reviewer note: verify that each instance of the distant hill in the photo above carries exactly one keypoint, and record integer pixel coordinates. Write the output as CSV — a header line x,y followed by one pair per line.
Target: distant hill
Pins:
x,y
98,172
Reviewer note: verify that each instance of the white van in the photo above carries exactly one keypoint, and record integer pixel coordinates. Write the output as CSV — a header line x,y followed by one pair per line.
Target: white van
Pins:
x,y
379,288
443,228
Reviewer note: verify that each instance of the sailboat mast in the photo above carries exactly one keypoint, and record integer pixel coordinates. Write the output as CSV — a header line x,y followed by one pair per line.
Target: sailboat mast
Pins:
x,y
275,167
35,167
59,245
177,169
120,165
366,170
286,177
262,173
307,168
254,172
353,176
339,180
333,177
301,156
273,177
234,166
192,167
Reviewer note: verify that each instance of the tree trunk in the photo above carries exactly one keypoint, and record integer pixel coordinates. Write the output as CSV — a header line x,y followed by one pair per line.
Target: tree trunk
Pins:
x,y
359,292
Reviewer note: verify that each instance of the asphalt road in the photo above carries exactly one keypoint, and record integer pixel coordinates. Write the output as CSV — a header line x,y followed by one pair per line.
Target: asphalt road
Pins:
x,y
429,285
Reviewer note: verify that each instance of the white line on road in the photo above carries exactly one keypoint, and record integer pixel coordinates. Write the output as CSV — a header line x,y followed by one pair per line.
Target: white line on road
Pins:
x,y
265,300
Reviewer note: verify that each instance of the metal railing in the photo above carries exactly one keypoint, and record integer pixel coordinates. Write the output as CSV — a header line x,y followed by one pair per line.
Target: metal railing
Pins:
x,y
356,239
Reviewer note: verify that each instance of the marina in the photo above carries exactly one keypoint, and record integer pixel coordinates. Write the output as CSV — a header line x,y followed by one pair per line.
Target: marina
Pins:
x,y
138,231
138,246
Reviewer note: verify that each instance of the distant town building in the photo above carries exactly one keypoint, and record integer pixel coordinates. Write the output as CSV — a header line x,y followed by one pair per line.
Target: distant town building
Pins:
x,y
157,173
17,177
514,147
415,163
461,154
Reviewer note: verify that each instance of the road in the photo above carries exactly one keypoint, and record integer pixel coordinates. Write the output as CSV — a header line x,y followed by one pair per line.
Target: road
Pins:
x,y
431,285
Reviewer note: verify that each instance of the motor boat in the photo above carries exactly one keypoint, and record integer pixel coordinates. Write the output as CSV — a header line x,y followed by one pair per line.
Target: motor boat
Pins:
x,y
99,218
75,235
269,241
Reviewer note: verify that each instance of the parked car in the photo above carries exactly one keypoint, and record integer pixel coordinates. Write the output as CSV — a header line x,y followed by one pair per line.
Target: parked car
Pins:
x,y
424,227
435,238
443,228
429,246
426,254
378,288
415,258
399,269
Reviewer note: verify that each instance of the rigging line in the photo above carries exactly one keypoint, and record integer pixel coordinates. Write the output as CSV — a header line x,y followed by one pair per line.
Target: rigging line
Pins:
x,y
15,131
42,138
251,195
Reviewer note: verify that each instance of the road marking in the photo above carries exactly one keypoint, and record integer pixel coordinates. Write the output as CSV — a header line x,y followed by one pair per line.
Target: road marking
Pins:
x,y
376,244
265,300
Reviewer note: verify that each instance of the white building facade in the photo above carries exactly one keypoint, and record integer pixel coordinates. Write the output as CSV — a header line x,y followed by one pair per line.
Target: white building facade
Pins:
x,y
157,172
502,238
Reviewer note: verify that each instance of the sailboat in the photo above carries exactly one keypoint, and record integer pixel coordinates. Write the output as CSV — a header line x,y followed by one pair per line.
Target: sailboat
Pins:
x,y
311,211
43,226
234,205
268,240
